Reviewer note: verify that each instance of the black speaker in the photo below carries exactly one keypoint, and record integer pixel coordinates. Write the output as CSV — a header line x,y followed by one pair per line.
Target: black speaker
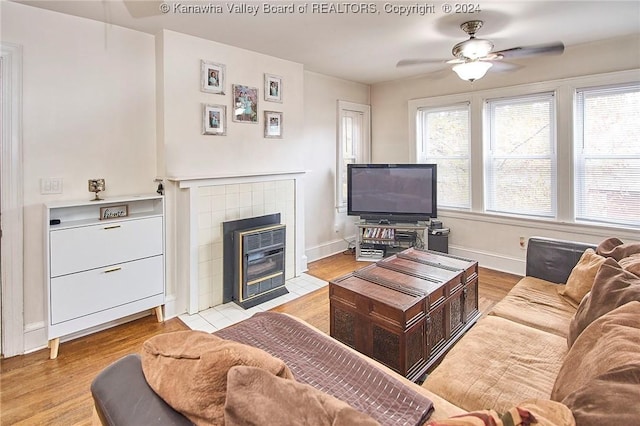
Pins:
x,y
438,242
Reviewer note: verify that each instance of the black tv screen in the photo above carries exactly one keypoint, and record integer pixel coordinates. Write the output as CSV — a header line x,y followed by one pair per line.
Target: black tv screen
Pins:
x,y
392,192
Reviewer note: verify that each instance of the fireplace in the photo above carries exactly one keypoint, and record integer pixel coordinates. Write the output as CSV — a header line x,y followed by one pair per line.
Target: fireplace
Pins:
x,y
254,260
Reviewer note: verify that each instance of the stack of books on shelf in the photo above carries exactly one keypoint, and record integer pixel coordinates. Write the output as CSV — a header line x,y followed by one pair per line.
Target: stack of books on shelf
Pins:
x,y
378,233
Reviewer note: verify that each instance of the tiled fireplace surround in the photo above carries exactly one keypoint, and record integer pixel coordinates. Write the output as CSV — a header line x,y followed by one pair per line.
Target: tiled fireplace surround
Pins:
x,y
203,204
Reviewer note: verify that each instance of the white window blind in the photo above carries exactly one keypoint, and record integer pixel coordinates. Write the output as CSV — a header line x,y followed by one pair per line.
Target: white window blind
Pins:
x,y
353,144
351,138
607,155
444,139
520,159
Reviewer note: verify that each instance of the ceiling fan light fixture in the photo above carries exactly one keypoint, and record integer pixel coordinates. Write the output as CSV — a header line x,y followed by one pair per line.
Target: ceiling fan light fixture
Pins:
x,y
473,70
473,48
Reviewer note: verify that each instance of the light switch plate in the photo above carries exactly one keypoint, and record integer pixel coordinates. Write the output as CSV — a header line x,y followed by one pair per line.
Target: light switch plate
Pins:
x,y
51,186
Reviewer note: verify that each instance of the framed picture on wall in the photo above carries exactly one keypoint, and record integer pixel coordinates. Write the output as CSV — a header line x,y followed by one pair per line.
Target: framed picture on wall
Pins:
x,y
212,77
245,104
272,88
273,124
214,120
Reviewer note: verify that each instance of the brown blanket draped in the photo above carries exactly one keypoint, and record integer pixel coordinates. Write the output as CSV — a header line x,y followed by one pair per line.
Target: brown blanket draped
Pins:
x,y
317,360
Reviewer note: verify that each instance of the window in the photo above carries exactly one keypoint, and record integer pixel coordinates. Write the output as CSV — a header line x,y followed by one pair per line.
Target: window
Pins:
x,y
353,144
443,139
607,155
520,161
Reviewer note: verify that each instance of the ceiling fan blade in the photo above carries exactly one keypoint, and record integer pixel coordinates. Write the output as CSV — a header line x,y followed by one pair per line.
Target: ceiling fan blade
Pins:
x,y
500,66
409,62
541,49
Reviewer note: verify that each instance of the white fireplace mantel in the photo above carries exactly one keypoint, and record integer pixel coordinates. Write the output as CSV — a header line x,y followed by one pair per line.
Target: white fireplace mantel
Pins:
x,y
227,179
185,194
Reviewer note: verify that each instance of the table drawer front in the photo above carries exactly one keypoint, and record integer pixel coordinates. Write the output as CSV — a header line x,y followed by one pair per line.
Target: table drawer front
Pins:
x,y
436,329
343,324
471,301
84,293
89,247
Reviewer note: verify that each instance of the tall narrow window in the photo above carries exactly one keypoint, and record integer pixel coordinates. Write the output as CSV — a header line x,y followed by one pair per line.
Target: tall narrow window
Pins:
x,y
607,155
353,144
520,159
443,138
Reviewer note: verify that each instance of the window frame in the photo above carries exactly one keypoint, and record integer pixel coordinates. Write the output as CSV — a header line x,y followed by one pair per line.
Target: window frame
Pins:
x,y
363,149
579,157
565,89
488,143
421,147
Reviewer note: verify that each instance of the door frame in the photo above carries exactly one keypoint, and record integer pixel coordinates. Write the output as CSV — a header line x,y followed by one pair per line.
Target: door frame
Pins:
x,y
12,202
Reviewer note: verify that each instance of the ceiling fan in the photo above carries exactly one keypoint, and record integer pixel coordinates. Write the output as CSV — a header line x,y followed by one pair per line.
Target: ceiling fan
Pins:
x,y
473,57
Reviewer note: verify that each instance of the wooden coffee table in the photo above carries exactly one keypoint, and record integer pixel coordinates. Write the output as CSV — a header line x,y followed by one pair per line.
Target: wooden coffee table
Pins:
x,y
407,310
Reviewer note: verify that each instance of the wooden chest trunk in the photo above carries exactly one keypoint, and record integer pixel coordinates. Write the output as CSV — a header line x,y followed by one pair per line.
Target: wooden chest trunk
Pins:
x,y
406,310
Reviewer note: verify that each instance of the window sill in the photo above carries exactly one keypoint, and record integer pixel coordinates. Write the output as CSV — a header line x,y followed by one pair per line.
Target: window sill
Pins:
x,y
544,224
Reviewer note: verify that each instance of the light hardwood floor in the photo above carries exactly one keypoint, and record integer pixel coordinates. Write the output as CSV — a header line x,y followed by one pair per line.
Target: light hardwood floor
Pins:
x,y
35,390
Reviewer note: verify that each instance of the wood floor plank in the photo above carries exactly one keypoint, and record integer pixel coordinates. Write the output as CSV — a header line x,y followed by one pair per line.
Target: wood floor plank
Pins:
x,y
37,390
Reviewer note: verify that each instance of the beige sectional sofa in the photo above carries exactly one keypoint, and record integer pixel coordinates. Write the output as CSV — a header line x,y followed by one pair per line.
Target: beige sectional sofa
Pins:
x,y
544,341
567,354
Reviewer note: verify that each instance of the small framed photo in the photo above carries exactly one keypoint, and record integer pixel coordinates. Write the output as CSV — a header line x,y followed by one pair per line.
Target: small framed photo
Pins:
x,y
114,212
273,124
214,120
212,77
272,88
245,104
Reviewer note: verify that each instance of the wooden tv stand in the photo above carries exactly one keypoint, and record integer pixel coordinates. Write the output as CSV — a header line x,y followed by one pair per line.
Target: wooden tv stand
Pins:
x,y
407,310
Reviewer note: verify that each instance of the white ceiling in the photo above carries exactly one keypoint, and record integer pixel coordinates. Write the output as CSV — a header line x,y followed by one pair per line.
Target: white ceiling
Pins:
x,y
365,47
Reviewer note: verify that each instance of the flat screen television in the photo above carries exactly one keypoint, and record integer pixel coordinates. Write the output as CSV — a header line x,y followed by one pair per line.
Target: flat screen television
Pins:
x,y
392,193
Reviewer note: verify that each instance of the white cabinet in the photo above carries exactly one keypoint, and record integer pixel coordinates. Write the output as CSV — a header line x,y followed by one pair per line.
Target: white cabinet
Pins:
x,y
98,270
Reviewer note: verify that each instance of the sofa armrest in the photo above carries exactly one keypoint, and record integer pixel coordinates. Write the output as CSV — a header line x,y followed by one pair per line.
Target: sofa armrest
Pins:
x,y
552,260
122,397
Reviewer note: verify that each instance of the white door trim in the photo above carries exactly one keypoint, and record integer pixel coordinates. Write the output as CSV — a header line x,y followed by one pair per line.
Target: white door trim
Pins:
x,y
12,202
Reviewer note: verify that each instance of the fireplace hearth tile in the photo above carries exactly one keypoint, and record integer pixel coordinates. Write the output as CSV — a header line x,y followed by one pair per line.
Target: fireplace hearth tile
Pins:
x,y
221,316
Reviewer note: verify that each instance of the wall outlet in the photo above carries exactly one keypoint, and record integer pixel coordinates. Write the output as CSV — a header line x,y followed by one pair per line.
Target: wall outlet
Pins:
x,y
51,186
523,243
336,228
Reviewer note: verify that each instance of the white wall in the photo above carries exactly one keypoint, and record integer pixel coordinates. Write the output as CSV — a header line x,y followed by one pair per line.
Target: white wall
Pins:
x,y
88,112
321,95
244,149
494,240
183,151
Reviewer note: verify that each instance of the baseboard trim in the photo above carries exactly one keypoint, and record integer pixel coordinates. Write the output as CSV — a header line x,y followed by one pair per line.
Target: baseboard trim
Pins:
x,y
498,262
326,250
35,334
486,259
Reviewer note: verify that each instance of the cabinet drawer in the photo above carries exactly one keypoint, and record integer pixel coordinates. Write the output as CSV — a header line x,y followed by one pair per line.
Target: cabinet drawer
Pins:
x,y
88,247
76,295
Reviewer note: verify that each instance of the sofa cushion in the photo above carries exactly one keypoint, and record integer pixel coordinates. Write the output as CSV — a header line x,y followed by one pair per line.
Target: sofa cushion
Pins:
x,y
514,417
536,303
615,248
610,398
188,369
581,278
613,287
540,412
611,341
631,264
255,398
497,364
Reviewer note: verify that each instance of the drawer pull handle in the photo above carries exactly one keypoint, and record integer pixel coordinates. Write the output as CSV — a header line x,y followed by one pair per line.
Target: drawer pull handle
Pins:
x,y
112,227
112,270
